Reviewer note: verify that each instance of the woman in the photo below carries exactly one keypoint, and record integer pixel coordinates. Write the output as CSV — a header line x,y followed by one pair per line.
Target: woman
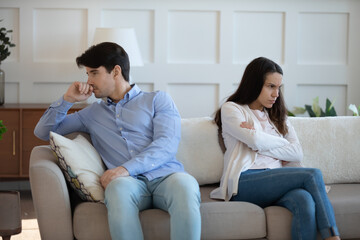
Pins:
x,y
260,145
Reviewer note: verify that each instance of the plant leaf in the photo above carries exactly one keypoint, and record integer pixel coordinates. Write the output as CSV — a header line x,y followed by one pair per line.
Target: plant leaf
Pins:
x,y
299,110
2,129
330,109
310,111
322,113
316,108
353,108
290,114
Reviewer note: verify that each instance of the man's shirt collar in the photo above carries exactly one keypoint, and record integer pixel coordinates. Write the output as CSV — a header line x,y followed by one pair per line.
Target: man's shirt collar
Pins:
x,y
133,92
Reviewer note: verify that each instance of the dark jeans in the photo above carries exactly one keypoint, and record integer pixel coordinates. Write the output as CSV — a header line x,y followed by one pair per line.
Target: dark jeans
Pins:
x,y
300,190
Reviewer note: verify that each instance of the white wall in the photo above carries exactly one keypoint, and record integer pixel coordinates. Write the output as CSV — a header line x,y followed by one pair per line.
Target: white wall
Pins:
x,y
195,50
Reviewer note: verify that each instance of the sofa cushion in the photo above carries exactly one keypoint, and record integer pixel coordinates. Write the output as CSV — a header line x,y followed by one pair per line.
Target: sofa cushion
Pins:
x,y
345,199
81,165
332,145
278,221
219,220
200,151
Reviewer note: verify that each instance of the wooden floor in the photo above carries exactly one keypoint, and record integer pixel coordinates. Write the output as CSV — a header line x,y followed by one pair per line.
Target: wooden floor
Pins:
x,y
30,229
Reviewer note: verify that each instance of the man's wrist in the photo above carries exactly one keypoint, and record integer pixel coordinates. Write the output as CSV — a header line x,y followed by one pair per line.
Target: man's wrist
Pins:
x,y
69,99
123,171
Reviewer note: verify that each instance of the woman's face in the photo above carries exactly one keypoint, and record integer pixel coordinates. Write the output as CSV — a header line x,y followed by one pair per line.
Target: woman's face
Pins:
x,y
269,92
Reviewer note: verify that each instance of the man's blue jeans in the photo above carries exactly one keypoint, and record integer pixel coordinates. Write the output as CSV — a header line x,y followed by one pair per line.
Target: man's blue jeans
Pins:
x,y
300,190
178,194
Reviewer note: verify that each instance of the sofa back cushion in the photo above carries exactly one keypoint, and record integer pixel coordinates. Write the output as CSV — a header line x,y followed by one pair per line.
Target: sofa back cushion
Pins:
x,y
200,151
331,144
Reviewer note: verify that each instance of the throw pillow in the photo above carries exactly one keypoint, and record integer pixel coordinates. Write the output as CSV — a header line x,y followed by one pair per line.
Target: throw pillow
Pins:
x,y
81,165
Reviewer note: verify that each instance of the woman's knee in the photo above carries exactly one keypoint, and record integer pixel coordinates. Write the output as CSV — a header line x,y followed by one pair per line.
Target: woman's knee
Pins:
x,y
314,172
301,200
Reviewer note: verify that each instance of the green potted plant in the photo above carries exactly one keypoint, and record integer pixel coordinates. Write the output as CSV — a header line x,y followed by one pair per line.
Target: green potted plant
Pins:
x,y
2,129
5,44
315,110
354,109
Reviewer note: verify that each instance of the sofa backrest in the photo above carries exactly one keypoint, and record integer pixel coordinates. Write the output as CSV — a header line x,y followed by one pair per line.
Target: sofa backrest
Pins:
x,y
200,151
331,144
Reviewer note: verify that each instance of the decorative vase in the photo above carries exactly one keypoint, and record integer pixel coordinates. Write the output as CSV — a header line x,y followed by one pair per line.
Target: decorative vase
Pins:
x,y
2,87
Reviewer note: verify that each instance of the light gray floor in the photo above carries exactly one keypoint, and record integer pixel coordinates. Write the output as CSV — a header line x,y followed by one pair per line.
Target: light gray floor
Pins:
x,y
30,230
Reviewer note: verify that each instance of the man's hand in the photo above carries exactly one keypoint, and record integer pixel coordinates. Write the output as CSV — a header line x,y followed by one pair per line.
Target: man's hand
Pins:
x,y
77,92
111,174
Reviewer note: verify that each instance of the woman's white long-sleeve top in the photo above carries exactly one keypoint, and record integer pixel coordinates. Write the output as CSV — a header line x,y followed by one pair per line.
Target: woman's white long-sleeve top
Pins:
x,y
243,145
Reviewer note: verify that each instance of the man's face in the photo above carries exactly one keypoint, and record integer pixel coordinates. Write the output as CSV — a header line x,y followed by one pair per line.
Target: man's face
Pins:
x,y
102,82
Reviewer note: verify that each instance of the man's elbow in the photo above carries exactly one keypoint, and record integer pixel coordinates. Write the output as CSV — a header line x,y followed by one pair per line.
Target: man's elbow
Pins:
x,y
41,135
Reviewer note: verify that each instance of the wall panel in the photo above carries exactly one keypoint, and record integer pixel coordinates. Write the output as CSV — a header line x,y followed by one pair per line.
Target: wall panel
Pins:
x,y
337,94
258,34
195,100
195,50
50,92
59,34
12,92
323,38
193,37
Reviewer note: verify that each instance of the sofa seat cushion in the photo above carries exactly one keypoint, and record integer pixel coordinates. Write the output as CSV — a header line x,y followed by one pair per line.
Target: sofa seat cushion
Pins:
x,y
220,220
278,221
90,221
230,220
345,199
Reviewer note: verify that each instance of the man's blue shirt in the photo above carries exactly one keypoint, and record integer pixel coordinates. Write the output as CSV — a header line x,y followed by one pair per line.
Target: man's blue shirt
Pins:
x,y
141,132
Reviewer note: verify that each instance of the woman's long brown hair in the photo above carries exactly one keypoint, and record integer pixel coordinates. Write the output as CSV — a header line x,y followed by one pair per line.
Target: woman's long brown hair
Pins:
x,y
249,90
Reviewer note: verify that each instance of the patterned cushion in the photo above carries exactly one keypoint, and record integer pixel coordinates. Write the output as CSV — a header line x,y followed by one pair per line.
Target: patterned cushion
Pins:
x,y
81,165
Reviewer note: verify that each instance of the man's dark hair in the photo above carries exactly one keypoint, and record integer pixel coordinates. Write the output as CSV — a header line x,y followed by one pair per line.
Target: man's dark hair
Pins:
x,y
108,55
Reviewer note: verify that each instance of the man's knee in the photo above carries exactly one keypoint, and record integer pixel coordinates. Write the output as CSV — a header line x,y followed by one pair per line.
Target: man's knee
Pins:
x,y
122,190
183,189
185,183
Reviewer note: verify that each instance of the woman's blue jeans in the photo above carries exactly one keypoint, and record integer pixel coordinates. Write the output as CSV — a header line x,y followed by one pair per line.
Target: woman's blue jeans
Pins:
x,y
178,194
300,190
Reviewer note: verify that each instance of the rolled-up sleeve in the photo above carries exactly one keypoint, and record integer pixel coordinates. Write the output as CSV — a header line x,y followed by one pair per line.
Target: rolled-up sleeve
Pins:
x,y
56,119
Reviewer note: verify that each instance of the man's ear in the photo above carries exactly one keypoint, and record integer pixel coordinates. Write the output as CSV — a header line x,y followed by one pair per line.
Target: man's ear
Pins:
x,y
117,71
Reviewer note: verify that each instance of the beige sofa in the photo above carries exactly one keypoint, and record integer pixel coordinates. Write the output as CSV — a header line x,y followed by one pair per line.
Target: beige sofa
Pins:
x,y
331,144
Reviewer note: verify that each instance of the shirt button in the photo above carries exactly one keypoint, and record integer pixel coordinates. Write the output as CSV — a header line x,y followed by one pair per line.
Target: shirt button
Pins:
x,y
117,115
131,151
153,165
120,129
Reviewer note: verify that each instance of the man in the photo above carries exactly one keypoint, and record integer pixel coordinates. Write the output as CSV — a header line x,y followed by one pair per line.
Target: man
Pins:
x,y
137,135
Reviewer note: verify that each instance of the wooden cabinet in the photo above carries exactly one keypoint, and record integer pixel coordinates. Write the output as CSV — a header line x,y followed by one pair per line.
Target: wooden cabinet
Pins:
x,y
17,143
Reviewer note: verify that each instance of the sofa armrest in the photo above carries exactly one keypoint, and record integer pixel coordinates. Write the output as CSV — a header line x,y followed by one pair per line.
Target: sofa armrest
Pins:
x,y
50,195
